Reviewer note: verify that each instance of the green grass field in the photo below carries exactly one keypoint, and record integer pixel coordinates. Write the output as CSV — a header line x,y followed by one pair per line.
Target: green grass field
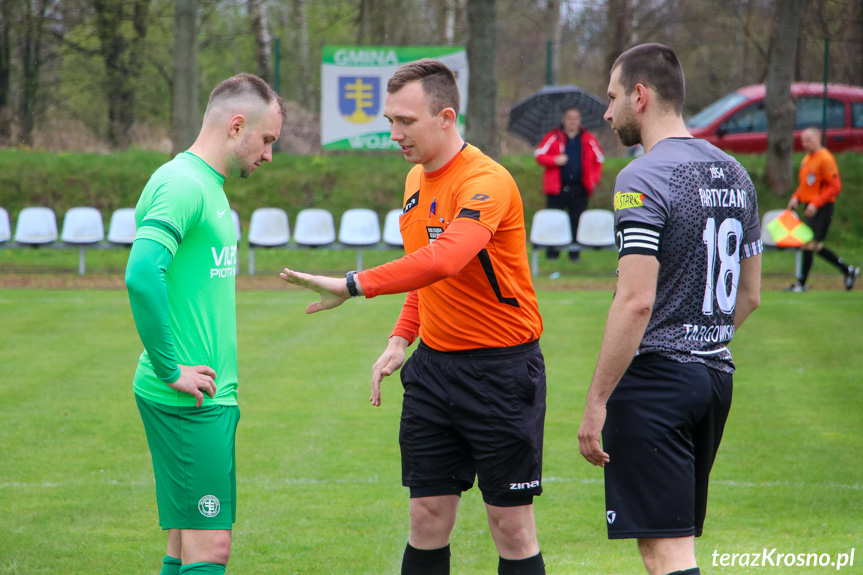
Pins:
x,y
319,476
596,270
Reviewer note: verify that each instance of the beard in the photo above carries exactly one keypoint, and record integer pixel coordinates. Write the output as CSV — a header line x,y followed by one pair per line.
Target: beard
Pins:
x,y
627,128
239,167
629,132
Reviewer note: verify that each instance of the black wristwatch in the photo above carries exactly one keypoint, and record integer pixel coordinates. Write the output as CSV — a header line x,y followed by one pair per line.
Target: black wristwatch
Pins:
x,y
352,285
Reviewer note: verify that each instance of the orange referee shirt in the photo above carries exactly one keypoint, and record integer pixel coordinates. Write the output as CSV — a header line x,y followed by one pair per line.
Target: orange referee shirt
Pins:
x,y
819,179
490,301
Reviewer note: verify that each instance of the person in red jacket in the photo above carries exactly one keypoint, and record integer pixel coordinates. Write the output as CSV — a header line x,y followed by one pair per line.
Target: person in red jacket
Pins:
x,y
817,191
573,166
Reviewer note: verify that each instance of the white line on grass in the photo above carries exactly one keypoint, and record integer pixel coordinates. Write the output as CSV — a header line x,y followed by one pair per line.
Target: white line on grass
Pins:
x,y
376,479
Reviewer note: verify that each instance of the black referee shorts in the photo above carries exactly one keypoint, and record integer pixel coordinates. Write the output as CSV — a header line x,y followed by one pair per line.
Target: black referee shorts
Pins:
x,y
820,222
478,413
663,427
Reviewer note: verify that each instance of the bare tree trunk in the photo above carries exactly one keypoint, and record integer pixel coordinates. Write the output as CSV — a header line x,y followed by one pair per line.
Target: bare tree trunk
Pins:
x,y
382,22
853,33
261,31
453,13
362,20
777,100
458,20
482,93
5,72
122,57
618,29
30,41
443,16
185,111
371,22
555,35
301,25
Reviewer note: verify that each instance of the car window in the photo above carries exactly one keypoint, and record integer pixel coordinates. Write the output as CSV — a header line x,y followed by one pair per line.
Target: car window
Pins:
x,y
749,119
857,115
714,110
809,113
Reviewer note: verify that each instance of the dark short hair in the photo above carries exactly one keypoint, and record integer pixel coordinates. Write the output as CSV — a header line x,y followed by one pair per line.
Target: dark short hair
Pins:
x,y
438,82
247,85
657,67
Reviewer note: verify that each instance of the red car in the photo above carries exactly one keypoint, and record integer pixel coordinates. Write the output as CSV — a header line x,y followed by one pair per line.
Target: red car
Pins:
x,y
738,122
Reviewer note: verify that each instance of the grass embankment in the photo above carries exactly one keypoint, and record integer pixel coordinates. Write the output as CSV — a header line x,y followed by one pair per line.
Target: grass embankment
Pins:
x,y
334,182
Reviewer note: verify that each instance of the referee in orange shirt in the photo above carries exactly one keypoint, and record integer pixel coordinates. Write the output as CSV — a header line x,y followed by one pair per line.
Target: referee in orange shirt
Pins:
x,y
819,185
474,399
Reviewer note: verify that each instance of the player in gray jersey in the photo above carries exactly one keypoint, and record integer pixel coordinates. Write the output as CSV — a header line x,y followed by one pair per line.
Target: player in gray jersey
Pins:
x,y
693,207
689,243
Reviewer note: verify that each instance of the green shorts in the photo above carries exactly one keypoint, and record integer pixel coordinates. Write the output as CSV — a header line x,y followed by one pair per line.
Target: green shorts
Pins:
x,y
194,463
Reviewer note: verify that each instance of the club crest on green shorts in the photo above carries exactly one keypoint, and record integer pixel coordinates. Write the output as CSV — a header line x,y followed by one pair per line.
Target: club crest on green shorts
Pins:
x,y
209,506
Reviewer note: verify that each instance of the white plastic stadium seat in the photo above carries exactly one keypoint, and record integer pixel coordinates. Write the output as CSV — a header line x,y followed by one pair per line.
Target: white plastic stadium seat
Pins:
x,y
5,228
268,228
82,227
121,229
36,226
392,233
596,229
768,217
360,227
315,227
550,228
236,218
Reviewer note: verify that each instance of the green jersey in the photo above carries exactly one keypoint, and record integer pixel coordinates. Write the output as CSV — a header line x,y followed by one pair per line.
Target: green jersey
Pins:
x,y
184,208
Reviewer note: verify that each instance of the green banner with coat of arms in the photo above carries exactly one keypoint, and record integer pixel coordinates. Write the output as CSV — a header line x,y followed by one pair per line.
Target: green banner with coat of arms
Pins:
x,y
353,89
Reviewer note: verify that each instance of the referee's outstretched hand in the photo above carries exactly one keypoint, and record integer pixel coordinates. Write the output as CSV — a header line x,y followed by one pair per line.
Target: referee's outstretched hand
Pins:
x,y
390,360
333,291
194,379
589,434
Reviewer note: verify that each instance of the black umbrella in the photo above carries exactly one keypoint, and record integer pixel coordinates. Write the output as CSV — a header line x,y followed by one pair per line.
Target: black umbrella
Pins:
x,y
534,116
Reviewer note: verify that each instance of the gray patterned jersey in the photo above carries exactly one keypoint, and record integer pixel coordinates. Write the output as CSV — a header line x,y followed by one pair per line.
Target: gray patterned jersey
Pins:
x,y
694,208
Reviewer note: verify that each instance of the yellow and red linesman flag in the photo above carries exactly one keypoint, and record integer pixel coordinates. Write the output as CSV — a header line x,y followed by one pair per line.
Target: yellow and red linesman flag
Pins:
x,y
788,231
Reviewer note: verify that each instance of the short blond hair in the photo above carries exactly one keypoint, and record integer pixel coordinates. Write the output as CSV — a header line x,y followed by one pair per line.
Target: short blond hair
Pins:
x,y
245,86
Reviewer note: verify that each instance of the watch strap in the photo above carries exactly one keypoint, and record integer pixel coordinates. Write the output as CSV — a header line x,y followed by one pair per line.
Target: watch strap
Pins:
x,y
352,284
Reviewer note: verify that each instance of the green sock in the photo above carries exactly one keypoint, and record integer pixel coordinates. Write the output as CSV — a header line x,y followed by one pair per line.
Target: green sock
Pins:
x,y
202,569
170,566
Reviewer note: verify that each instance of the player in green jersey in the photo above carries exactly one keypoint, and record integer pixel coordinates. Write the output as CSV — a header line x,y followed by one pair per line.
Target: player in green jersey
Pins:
x,y
180,278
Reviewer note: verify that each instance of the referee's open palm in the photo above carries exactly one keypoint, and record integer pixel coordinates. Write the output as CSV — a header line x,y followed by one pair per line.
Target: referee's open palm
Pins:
x,y
333,291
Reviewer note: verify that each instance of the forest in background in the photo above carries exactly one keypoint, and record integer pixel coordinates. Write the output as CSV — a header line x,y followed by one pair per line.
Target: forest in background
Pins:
x,y
101,75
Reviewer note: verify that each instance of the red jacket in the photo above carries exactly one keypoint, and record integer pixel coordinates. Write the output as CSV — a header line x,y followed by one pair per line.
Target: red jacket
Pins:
x,y
553,144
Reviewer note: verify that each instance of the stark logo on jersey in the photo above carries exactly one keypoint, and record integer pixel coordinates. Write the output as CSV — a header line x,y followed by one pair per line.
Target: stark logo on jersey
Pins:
x,y
623,201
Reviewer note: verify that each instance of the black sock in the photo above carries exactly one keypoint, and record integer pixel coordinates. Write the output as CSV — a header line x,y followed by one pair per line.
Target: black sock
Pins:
x,y
425,561
530,566
805,267
693,571
831,257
